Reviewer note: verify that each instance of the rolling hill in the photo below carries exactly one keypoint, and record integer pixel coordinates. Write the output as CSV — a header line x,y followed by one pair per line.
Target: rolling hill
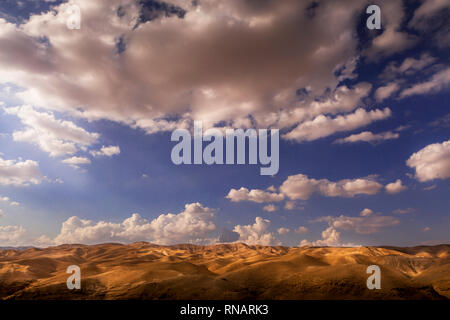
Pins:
x,y
225,271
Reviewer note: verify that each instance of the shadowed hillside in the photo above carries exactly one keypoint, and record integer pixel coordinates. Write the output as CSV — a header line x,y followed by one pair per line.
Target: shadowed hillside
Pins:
x,y
225,271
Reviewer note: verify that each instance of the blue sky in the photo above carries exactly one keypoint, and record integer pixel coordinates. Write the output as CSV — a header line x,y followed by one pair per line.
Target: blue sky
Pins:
x,y
74,93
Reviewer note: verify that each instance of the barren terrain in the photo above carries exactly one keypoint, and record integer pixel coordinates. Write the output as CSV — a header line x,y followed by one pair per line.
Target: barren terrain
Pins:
x,y
226,271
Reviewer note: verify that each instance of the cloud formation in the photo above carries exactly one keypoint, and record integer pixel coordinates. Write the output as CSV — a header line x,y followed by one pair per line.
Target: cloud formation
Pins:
x,y
330,238
395,187
193,225
75,161
257,233
300,187
323,126
12,235
367,136
363,224
106,151
438,82
19,172
254,195
57,137
231,62
431,162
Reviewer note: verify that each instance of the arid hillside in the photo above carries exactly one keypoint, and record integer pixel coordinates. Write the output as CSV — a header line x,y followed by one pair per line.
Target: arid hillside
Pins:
x,y
225,271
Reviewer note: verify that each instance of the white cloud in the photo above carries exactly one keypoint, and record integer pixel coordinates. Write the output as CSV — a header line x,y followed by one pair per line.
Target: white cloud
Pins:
x,y
438,82
106,151
301,230
19,173
257,233
323,126
193,225
254,195
270,208
395,187
363,225
409,66
289,205
342,100
367,136
12,235
431,162
283,230
9,201
75,161
386,91
57,137
366,212
301,187
330,238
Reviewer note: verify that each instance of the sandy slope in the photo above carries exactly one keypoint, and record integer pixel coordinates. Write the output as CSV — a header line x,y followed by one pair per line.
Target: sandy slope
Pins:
x,y
227,271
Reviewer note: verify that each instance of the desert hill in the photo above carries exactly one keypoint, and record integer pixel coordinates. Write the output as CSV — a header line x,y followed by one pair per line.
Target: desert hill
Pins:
x,y
225,271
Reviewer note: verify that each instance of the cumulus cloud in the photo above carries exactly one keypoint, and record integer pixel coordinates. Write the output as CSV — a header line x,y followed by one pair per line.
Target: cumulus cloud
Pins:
x,y
438,82
193,225
254,195
395,187
367,136
257,233
301,187
366,212
270,208
231,62
283,230
19,173
323,126
289,205
330,238
301,230
431,162
106,151
12,235
57,137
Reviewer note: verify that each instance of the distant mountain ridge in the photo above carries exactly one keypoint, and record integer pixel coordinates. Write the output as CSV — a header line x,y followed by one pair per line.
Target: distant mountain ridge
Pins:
x,y
16,248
